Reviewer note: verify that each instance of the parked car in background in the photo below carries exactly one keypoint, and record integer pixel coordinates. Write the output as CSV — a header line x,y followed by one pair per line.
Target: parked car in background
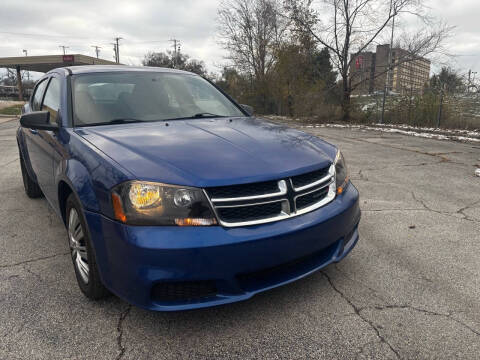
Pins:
x,y
173,195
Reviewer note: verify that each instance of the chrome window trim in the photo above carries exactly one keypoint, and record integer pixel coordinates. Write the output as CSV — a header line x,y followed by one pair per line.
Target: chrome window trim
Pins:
x,y
282,191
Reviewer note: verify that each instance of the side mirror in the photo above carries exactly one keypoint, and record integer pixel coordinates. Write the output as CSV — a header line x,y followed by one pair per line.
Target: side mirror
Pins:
x,y
37,120
248,109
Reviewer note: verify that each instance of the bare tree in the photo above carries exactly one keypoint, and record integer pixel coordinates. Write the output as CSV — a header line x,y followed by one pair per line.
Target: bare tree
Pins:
x,y
349,27
251,31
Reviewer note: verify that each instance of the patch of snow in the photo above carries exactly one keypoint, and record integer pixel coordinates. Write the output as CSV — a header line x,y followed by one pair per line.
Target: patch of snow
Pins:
x,y
403,131
477,172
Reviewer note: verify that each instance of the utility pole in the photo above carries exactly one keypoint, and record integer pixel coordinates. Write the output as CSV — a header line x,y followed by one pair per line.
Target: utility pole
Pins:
x,y
470,80
114,51
64,48
440,107
387,80
97,49
176,51
117,50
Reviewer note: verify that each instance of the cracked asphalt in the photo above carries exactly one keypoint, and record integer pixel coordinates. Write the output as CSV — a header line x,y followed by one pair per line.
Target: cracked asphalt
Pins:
x,y
409,290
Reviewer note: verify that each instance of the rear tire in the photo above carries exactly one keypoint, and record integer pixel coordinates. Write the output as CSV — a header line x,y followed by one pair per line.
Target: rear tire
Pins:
x,y
32,189
81,249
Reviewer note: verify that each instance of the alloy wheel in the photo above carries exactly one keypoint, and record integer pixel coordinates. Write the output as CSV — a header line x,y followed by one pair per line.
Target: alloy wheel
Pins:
x,y
78,247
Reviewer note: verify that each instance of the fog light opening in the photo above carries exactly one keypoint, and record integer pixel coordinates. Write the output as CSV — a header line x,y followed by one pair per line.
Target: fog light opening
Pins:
x,y
195,222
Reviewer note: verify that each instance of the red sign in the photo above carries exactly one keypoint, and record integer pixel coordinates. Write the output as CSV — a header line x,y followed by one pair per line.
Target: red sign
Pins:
x,y
67,58
359,62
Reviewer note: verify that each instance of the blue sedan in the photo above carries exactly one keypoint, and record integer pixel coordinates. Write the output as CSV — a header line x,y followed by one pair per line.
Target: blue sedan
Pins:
x,y
173,195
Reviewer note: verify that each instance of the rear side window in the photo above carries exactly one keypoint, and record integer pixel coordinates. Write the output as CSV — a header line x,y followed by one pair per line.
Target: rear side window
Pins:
x,y
38,96
51,102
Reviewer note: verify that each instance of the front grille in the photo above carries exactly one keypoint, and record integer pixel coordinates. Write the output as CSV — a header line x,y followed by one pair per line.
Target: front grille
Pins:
x,y
251,212
183,290
309,178
311,198
262,202
245,190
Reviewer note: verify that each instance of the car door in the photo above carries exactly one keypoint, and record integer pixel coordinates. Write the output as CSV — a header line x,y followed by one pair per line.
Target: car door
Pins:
x,y
43,141
32,137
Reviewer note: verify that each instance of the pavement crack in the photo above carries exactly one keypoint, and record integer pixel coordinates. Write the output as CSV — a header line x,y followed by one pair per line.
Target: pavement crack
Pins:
x,y
462,210
25,267
428,312
9,162
394,209
120,344
442,157
459,212
358,312
33,260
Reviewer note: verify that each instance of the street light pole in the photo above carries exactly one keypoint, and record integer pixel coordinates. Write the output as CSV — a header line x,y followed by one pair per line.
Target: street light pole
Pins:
x,y
26,54
387,80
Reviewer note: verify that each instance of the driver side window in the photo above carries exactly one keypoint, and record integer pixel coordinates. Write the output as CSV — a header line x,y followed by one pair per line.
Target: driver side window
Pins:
x,y
38,96
51,102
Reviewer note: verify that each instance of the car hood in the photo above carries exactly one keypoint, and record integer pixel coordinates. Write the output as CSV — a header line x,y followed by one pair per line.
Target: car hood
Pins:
x,y
210,152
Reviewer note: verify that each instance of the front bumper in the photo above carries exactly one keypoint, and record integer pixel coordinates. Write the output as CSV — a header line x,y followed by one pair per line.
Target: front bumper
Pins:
x,y
237,262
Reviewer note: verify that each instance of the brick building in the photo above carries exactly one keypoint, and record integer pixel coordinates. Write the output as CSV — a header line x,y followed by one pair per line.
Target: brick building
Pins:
x,y
368,71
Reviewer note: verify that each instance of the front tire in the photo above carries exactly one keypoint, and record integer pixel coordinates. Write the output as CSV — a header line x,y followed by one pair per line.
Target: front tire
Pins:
x,y
81,249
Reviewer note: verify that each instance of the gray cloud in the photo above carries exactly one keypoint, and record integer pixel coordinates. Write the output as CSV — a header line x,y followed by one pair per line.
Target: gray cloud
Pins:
x,y
144,25
147,25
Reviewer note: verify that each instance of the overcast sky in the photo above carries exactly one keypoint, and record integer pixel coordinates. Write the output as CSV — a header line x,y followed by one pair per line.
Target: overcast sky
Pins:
x,y
149,25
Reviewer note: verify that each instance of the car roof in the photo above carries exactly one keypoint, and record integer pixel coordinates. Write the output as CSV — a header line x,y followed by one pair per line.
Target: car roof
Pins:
x,y
86,69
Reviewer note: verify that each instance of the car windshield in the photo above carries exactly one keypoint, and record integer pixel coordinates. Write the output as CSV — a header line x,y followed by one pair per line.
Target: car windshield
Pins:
x,y
112,98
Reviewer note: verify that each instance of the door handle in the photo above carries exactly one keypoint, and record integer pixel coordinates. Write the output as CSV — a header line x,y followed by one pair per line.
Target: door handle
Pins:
x,y
34,131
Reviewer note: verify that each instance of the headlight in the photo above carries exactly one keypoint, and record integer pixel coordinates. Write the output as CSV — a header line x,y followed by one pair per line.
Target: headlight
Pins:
x,y
341,173
148,203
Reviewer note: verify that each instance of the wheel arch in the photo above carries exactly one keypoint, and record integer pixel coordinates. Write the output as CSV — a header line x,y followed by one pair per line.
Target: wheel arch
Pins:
x,y
76,180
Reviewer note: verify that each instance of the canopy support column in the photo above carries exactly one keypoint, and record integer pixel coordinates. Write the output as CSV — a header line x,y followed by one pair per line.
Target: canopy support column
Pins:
x,y
19,84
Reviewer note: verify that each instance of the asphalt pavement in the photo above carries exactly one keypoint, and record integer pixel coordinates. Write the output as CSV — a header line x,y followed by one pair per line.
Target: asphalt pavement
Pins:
x,y
409,290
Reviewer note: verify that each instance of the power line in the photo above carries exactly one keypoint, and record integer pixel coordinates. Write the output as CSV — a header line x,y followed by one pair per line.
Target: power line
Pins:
x,y
42,35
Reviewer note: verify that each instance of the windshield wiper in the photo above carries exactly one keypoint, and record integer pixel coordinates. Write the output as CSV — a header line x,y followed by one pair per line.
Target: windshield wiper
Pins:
x,y
124,121
116,121
206,115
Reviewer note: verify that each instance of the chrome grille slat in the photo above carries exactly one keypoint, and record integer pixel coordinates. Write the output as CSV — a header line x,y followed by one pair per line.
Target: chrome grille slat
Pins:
x,y
318,182
282,190
287,196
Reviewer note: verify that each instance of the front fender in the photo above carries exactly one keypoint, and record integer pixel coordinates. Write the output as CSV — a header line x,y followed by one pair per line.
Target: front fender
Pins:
x,y
78,178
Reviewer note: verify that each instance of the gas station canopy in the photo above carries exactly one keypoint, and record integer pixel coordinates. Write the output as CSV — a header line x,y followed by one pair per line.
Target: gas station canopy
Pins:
x,y
46,63
49,62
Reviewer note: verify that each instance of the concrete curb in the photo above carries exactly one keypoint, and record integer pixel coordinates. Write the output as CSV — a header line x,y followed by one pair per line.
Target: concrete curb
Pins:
x,y
9,116
4,120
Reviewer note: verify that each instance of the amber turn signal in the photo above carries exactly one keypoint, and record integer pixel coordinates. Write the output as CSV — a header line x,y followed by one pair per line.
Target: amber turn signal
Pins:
x,y
118,208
